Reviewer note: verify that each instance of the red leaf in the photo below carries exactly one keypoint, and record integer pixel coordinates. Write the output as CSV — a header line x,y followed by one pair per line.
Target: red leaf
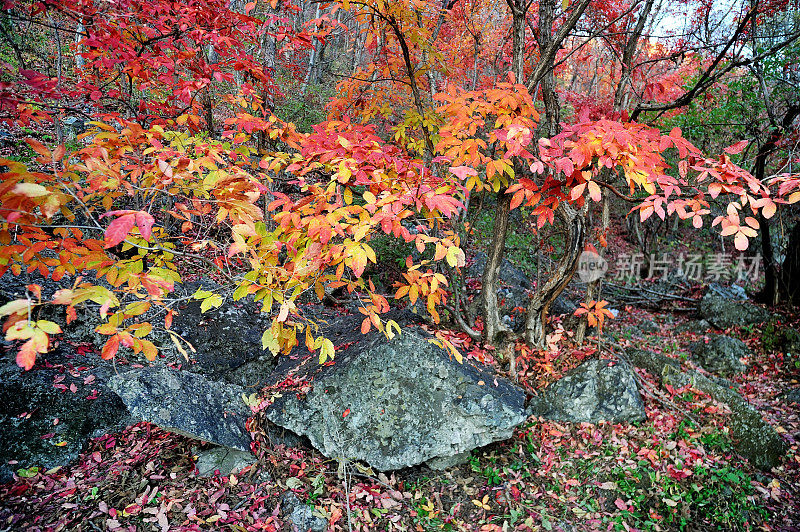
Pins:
x,y
119,229
737,148
463,171
145,223
38,147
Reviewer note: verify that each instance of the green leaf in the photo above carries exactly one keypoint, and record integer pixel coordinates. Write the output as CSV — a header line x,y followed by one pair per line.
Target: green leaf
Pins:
x,y
213,301
28,473
202,294
268,341
241,291
294,483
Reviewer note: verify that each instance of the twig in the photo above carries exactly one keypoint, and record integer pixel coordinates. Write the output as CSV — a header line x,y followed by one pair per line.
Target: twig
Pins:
x,y
663,295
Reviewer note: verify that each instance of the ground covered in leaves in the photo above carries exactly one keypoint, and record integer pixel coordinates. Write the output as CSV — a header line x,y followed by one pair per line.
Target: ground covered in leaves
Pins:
x,y
676,470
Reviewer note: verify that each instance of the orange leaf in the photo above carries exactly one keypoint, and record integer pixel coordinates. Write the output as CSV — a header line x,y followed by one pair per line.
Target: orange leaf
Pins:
x,y
38,147
27,355
110,348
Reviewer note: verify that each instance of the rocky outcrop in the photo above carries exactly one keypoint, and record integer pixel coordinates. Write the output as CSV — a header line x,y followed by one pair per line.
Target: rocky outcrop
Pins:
x,y
792,396
299,516
509,274
512,290
394,403
733,292
562,306
222,460
721,355
754,438
186,403
227,341
594,391
48,414
725,309
695,327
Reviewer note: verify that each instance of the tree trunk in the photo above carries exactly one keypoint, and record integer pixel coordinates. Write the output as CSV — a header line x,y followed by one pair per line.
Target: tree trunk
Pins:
x,y
493,328
312,63
535,324
790,269
772,292
595,288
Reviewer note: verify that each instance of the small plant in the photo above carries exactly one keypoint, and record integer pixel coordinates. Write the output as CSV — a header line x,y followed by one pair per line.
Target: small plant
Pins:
x,y
492,476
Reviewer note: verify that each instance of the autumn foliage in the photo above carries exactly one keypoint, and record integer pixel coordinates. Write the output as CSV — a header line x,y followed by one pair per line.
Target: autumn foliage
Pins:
x,y
154,194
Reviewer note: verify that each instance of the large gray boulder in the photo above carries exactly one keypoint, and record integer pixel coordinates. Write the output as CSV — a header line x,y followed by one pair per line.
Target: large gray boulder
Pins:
x,y
597,390
48,413
394,403
725,309
733,292
509,274
721,355
186,403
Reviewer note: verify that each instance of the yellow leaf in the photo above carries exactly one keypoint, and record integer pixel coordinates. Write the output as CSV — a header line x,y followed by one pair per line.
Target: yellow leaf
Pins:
x,y
48,326
455,257
268,341
31,190
150,351
20,331
326,351
389,325
19,306
357,260
413,294
176,340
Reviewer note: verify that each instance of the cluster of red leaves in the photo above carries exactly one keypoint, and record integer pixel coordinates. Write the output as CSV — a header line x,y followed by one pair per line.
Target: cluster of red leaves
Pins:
x,y
140,477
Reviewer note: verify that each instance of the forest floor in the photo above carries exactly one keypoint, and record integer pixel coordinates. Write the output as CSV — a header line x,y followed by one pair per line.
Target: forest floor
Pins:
x,y
676,470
